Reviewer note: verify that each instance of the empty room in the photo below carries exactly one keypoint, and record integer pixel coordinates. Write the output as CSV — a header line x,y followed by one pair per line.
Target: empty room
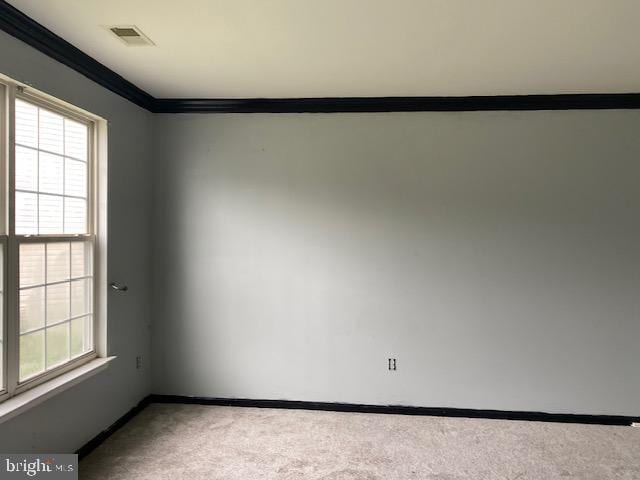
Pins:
x,y
320,239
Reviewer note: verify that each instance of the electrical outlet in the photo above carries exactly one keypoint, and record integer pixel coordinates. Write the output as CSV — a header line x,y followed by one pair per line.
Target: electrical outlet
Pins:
x,y
392,364
138,362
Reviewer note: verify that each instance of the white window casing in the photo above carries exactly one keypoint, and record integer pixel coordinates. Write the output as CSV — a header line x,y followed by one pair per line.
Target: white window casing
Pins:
x,y
52,240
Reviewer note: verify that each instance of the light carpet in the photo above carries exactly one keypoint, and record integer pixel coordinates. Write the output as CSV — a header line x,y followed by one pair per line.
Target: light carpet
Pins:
x,y
196,442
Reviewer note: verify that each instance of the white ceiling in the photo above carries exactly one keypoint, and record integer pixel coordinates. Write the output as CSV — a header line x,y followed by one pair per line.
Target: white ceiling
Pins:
x,y
327,48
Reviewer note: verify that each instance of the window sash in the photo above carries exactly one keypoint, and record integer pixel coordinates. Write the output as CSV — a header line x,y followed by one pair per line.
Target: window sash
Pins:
x,y
9,92
86,356
5,140
3,314
40,102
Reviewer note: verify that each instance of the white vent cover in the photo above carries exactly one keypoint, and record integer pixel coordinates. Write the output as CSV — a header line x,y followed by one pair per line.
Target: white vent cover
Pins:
x,y
130,35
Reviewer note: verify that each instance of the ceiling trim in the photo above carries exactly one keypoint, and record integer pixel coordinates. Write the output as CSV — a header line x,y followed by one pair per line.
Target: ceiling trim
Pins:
x,y
585,101
21,26
24,28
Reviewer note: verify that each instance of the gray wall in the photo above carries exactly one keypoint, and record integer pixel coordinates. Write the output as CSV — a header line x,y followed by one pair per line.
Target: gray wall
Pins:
x,y
494,254
67,421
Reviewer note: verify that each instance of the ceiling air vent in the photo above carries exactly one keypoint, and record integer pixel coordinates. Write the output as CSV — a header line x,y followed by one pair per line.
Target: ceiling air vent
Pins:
x,y
131,35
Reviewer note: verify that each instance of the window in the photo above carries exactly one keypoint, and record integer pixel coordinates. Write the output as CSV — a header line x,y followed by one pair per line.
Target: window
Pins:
x,y
48,238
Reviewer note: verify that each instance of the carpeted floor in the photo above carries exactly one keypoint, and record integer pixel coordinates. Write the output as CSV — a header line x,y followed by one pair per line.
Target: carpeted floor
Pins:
x,y
204,442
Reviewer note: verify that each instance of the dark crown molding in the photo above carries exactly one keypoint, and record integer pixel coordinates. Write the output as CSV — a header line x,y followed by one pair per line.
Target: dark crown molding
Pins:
x,y
24,28
584,101
16,23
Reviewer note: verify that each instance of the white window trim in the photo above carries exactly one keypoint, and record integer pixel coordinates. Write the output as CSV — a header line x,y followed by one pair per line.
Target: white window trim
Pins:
x,y
17,397
24,401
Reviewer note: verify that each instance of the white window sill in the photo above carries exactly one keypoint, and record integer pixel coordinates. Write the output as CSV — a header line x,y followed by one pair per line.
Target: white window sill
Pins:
x,y
29,399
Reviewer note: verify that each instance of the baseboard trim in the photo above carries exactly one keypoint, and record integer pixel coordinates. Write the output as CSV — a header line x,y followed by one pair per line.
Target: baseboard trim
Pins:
x,y
96,441
401,410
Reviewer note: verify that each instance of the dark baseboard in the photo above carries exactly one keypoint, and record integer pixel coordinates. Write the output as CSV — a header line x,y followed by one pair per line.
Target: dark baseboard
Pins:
x,y
92,444
357,408
401,410
21,26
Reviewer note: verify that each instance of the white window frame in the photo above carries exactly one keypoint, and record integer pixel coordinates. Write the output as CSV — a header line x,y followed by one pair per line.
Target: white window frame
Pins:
x,y
11,90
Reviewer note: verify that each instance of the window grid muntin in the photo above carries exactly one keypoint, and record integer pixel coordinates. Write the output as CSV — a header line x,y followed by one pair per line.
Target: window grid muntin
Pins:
x,y
42,104
90,228
48,152
7,199
46,325
3,313
4,184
